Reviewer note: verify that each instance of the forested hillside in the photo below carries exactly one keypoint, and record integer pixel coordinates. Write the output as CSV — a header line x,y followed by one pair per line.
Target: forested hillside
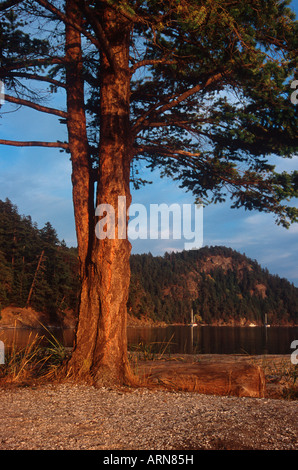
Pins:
x,y
36,269
218,283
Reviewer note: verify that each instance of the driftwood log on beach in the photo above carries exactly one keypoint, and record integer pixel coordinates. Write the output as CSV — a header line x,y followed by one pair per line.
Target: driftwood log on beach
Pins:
x,y
237,379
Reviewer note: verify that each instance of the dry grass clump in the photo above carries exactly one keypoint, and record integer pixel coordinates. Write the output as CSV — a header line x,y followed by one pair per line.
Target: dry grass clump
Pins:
x,y
43,357
281,375
40,359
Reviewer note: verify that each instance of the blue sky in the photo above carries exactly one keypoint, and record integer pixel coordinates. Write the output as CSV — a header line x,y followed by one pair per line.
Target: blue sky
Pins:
x,y
38,181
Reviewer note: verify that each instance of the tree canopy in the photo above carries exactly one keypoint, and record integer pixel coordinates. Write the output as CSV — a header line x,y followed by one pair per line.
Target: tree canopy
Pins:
x,y
210,88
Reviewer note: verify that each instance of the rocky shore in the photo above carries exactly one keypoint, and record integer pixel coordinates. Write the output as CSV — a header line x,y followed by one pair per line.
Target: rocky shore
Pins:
x,y
78,417
20,317
65,416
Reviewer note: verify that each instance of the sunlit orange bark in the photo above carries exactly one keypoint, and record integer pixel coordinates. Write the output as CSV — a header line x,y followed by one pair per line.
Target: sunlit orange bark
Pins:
x,y
100,353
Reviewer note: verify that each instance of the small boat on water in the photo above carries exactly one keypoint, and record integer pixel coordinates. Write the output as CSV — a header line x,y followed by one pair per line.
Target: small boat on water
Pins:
x,y
192,323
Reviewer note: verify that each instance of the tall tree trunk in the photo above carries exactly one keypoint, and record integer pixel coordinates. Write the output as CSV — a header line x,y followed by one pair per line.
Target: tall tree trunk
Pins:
x,y
100,352
83,188
34,279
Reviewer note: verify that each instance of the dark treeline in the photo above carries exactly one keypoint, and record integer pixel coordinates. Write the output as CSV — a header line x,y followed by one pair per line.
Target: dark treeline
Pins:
x,y
36,269
218,283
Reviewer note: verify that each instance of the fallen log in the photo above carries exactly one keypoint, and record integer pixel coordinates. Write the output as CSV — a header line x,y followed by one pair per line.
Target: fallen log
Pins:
x,y
237,379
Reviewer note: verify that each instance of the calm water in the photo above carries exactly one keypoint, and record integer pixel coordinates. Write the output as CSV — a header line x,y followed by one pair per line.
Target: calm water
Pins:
x,y
215,340
186,339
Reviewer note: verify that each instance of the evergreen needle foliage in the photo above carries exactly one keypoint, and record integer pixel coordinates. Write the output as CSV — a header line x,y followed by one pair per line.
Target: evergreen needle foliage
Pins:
x,y
51,280
218,283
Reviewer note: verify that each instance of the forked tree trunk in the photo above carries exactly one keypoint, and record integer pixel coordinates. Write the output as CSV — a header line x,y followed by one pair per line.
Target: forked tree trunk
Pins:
x,y
100,352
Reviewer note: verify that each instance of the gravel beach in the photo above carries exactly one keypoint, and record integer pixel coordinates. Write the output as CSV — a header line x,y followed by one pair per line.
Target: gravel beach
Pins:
x,y
77,417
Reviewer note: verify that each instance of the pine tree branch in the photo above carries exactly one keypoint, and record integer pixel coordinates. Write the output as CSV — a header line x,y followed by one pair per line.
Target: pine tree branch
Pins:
x,y
9,4
38,107
31,63
18,143
101,37
160,108
146,62
61,16
190,92
166,151
101,42
125,13
34,76
195,160
176,122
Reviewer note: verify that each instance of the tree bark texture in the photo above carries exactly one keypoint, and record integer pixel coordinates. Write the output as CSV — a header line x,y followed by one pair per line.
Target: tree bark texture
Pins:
x,y
77,134
100,352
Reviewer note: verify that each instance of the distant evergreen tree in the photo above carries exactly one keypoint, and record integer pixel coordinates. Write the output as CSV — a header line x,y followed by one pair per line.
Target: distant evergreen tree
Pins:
x,y
229,295
35,265
36,269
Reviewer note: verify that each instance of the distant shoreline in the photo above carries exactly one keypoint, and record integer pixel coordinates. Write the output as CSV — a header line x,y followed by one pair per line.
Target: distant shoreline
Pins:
x,y
148,325
12,317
